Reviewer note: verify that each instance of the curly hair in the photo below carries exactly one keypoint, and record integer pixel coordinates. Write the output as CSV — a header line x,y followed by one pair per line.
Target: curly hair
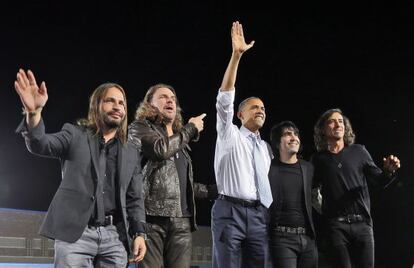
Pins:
x,y
146,111
94,120
319,138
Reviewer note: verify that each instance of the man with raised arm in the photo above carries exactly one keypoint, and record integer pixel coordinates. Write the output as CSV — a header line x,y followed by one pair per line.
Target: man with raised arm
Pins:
x,y
241,164
97,214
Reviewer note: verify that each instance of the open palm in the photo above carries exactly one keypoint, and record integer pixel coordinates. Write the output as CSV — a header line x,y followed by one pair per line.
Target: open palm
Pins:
x,y
237,38
32,96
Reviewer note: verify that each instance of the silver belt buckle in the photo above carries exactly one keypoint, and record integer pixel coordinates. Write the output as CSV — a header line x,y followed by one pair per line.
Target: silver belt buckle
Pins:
x,y
109,220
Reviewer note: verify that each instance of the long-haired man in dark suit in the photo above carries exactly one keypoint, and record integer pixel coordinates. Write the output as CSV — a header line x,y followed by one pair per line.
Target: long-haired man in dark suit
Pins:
x,y
98,206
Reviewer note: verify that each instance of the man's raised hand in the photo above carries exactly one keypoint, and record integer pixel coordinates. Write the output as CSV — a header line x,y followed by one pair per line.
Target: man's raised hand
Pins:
x,y
32,96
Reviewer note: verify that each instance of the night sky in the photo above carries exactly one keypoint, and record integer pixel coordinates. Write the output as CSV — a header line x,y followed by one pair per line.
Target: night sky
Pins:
x,y
307,58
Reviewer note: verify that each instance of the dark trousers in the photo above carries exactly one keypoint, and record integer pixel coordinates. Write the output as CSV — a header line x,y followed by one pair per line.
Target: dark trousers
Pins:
x,y
240,237
168,244
352,244
293,250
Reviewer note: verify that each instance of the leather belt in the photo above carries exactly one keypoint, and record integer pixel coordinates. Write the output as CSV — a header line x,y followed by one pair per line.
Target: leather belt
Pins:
x,y
290,230
109,220
351,218
243,202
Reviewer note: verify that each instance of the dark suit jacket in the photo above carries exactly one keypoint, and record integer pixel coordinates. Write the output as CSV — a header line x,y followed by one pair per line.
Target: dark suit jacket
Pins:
x,y
307,176
73,204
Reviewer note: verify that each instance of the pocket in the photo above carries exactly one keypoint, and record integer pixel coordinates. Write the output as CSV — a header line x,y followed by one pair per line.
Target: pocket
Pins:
x,y
223,222
222,210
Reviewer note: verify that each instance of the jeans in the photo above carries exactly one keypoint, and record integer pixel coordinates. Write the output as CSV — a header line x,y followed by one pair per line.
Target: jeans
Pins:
x,y
97,247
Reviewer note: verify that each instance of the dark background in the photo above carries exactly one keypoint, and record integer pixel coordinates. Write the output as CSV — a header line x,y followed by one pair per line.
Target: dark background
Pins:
x,y
308,57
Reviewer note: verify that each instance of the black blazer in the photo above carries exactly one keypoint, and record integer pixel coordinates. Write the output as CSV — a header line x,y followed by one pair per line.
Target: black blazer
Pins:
x,y
73,204
307,176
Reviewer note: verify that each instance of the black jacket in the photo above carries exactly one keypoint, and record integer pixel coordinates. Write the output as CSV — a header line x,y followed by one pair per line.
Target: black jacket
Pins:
x,y
307,176
161,181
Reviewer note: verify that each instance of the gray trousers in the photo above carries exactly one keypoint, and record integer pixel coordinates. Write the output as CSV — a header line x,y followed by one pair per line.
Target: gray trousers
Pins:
x,y
97,247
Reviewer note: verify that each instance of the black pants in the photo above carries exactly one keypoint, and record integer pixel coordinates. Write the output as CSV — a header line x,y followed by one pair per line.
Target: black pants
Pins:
x,y
293,250
168,244
352,244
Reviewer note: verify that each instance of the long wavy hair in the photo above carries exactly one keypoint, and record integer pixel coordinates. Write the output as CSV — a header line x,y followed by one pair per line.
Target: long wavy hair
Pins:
x,y
319,137
146,111
94,121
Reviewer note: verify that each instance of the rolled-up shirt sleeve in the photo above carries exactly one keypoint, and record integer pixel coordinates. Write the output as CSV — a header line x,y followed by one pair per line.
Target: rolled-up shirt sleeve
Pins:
x,y
225,113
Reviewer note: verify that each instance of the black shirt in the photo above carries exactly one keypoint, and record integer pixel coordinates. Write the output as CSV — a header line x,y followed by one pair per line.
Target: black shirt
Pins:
x,y
110,185
289,209
181,164
343,179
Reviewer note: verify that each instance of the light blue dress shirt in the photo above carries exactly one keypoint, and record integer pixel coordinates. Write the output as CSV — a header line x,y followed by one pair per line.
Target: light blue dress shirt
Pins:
x,y
233,159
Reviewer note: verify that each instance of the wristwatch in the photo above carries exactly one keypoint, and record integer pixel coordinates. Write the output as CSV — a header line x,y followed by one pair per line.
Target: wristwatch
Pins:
x,y
143,235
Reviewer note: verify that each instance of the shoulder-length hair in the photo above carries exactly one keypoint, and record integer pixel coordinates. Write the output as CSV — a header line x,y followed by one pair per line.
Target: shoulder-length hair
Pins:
x,y
319,130
146,111
94,121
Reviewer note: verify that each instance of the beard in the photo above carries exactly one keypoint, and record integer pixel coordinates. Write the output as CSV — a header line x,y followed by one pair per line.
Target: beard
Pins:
x,y
168,117
111,123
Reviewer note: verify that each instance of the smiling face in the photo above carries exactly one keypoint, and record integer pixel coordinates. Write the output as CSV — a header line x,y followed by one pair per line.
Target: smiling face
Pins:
x,y
252,114
112,108
289,142
334,128
165,101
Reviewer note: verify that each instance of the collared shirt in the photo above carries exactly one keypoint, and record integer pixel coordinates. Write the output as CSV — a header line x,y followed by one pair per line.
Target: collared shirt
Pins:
x,y
110,185
233,159
110,151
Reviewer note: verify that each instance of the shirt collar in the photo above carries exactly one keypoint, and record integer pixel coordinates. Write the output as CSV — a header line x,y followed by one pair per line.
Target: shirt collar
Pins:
x,y
246,133
111,142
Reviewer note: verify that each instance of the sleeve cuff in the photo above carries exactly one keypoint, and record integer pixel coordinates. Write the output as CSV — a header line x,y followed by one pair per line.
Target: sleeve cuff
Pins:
x,y
30,133
137,227
192,131
226,98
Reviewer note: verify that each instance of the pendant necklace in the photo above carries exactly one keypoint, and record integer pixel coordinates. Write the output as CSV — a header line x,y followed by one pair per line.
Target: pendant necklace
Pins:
x,y
337,159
